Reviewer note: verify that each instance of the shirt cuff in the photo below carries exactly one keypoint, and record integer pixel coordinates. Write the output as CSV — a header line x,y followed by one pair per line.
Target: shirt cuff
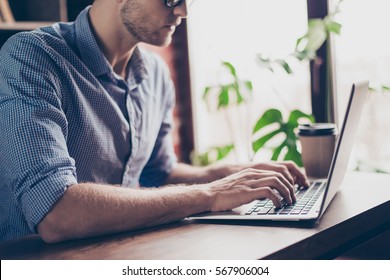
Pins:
x,y
41,198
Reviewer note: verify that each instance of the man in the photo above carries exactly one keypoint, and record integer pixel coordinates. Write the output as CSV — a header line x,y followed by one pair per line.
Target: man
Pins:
x,y
86,118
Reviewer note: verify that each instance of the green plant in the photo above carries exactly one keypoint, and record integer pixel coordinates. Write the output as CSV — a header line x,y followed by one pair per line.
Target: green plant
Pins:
x,y
306,47
236,92
289,142
319,30
211,155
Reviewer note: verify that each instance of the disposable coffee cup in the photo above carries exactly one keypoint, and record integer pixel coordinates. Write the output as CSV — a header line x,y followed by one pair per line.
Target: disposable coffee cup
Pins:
x,y
318,142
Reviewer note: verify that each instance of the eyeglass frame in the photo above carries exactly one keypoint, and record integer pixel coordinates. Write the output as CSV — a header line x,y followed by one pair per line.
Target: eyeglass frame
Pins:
x,y
173,5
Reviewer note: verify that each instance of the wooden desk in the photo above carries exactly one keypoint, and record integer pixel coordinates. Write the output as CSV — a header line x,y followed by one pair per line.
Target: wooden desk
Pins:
x,y
359,211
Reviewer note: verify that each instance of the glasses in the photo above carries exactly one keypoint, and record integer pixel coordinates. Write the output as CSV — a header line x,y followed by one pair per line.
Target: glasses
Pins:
x,y
174,3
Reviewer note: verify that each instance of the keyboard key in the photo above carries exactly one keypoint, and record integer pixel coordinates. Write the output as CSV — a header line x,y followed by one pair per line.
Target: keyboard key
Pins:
x,y
264,211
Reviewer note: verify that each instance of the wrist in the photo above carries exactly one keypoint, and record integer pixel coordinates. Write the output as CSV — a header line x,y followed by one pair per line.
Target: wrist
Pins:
x,y
203,196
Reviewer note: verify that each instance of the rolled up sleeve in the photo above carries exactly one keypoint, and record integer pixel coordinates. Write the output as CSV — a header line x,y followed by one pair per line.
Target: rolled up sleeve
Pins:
x,y
35,166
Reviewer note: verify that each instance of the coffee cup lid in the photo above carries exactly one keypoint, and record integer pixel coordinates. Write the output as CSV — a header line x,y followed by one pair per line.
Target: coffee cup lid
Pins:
x,y
315,129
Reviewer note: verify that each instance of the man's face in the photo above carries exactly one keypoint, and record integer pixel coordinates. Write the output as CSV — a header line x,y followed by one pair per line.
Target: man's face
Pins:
x,y
150,21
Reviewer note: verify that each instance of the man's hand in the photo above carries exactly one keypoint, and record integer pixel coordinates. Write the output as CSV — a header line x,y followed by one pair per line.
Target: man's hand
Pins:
x,y
250,184
235,184
287,168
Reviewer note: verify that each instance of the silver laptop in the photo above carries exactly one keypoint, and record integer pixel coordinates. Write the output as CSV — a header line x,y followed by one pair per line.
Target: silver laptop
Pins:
x,y
313,201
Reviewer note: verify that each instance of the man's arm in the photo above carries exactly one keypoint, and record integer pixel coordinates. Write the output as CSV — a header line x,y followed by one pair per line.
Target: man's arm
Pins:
x,y
90,210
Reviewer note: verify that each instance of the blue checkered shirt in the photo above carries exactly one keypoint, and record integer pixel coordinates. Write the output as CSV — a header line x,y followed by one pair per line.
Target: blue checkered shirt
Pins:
x,y
67,118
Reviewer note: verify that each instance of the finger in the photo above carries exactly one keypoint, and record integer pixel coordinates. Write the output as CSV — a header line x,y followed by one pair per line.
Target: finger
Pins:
x,y
300,177
287,184
283,169
275,167
255,178
290,187
275,183
277,180
277,170
267,192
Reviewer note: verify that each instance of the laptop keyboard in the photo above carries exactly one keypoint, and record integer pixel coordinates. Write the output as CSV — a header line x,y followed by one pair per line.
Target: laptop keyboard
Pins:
x,y
306,198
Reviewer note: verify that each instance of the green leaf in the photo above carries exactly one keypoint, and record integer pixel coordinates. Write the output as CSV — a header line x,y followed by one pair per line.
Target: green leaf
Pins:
x,y
299,42
259,143
211,155
296,115
231,68
294,155
385,88
291,137
333,27
236,89
248,85
223,97
201,159
240,98
277,151
316,35
206,93
301,55
304,55
287,128
222,152
270,116
285,66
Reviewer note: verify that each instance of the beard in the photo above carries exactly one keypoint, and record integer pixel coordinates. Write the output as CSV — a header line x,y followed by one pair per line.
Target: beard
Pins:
x,y
139,25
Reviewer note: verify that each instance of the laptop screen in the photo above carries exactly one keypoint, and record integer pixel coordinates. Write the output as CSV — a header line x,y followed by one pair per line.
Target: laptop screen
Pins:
x,y
357,99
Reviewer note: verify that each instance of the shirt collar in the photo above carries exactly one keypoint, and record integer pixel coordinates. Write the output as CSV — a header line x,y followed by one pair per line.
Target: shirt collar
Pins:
x,y
94,58
136,70
90,52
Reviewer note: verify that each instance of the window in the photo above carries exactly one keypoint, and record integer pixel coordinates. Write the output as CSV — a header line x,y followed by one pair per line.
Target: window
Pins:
x,y
222,30
227,30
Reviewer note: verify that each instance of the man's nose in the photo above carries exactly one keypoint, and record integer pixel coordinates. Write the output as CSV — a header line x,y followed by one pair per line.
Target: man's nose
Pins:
x,y
181,10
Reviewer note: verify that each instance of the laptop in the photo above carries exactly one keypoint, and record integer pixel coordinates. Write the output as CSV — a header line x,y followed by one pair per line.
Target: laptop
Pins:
x,y
313,201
